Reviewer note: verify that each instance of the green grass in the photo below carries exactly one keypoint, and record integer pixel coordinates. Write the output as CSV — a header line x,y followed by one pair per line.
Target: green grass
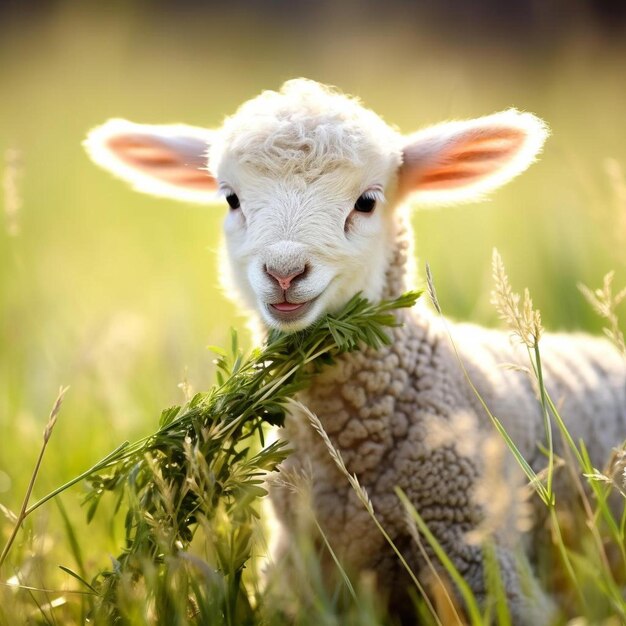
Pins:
x,y
115,294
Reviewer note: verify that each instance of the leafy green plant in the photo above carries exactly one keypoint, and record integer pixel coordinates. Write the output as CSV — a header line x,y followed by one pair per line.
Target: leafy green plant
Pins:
x,y
202,472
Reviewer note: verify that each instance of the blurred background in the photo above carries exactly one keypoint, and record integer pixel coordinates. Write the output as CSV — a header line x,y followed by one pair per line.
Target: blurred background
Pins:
x,y
115,293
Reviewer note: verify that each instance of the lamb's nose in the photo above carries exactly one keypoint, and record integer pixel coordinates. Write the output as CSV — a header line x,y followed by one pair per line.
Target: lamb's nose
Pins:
x,y
284,278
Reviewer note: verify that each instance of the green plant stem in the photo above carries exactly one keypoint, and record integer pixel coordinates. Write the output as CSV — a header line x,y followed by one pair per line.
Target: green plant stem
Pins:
x,y
547,423
52,418
23,513
110,459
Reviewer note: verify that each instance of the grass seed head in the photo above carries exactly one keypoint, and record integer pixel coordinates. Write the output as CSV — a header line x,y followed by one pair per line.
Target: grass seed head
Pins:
x,y
52,419
524,321
604,302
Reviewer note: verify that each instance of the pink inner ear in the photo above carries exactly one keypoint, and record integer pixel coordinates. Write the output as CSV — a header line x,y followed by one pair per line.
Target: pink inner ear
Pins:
x,y
161,161
462,161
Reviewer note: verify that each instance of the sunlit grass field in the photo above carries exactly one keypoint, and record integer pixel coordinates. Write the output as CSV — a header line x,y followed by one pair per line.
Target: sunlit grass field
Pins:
x,y
115,294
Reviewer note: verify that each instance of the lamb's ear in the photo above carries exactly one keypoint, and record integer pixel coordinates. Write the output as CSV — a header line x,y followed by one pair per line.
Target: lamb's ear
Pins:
x,y
460,161
163,160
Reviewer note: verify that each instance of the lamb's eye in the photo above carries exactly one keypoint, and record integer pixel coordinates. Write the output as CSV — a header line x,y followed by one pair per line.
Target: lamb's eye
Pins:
x,y
233,201
365,204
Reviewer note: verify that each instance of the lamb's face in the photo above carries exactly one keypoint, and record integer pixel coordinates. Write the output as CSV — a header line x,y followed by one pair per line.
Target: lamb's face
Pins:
x,y
312,179
297,249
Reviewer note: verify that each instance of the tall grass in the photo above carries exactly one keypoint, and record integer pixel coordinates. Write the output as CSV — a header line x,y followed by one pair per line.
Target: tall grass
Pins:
x,y
191,493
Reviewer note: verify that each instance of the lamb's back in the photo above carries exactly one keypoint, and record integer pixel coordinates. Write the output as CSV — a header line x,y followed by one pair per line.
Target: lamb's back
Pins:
x,y
584,375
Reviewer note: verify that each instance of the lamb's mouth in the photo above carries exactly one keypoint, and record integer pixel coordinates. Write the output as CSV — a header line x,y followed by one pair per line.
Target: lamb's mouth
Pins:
x,y
289,311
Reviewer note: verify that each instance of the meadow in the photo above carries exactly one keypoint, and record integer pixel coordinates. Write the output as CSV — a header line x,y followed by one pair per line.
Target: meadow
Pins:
x,y
115,294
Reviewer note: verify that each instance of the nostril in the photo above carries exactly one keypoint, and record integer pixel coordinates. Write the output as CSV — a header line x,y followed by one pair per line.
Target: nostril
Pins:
x,y
284,279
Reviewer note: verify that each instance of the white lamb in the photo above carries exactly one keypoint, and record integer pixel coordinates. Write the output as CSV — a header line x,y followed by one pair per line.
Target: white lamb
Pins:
x,y
317,187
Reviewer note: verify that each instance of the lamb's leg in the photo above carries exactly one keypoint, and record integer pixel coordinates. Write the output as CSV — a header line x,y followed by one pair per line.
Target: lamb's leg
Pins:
x,y
527,603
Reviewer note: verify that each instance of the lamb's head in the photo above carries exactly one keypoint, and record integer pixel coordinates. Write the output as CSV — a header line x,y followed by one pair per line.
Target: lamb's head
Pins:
x,y
313,181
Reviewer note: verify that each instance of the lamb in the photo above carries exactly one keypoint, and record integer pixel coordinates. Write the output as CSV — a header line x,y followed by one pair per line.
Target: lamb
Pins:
x,y
318,189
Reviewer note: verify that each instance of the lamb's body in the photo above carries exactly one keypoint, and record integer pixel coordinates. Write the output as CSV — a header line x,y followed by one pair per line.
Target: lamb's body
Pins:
x,y
316,185
406,416
381,412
